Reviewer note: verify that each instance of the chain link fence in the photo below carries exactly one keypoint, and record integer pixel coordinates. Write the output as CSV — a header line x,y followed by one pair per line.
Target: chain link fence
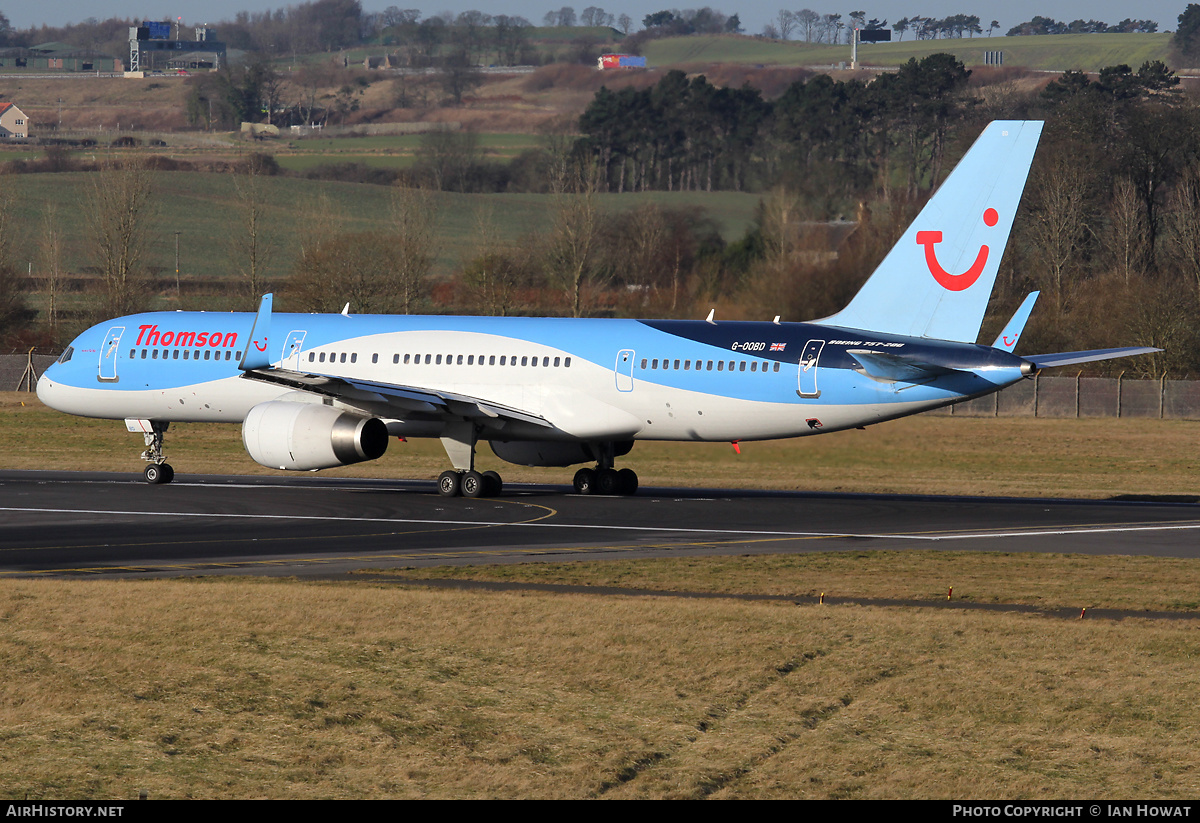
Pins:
x,y
1088,397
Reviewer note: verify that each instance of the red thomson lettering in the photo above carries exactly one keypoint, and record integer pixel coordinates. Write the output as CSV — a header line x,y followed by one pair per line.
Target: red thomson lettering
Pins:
x,y
149,335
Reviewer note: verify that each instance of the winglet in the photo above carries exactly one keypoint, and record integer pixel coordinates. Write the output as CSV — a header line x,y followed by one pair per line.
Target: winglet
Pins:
x,y
1007,339
256,356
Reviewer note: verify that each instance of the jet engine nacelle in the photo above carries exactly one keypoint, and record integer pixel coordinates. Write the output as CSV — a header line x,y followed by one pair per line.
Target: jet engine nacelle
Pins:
x,y
552,452
304,436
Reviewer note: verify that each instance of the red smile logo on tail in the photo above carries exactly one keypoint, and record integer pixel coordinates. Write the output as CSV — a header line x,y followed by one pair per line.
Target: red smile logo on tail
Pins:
x,y
955,282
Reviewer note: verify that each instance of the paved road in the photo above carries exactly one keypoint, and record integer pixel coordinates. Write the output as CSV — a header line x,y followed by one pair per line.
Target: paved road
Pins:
x,y
91,524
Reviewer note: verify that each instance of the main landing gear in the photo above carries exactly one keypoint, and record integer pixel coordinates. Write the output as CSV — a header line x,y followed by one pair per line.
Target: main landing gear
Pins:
x,y
470,484
459,440
604,479
158,470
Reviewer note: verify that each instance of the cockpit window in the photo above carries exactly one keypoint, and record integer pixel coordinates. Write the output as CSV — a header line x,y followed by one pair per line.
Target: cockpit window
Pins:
x,y
66,355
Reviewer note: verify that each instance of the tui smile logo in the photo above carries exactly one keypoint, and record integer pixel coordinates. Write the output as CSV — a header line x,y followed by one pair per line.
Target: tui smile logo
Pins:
x,y
955,282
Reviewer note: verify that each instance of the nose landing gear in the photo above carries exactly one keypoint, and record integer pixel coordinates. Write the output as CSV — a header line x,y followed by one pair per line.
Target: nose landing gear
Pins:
x,y
157,470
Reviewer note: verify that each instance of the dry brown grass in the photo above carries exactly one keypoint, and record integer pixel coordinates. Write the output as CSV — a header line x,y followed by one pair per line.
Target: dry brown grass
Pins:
x,y
1044,581
1090,458
266,689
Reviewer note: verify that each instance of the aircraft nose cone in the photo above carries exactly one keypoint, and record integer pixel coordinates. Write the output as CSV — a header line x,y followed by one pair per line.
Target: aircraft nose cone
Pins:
x,y
45,389
49,391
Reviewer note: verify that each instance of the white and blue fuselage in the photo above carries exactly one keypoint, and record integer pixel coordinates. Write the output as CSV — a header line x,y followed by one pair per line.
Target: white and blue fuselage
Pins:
x,y
318,390
589,380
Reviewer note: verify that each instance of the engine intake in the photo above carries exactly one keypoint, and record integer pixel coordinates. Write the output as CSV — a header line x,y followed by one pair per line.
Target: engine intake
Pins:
x,y
304,436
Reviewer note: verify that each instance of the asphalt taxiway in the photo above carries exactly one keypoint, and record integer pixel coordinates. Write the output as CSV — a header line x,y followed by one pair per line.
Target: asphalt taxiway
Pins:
x,y
73,524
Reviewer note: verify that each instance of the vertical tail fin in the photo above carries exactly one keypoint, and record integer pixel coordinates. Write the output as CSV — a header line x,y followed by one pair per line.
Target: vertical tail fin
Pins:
x,y
937,280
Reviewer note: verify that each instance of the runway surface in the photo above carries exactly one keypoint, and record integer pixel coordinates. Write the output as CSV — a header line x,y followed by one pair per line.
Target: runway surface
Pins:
x,y
70,524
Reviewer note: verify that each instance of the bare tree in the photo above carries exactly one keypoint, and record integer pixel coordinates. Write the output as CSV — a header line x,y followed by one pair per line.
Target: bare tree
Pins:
x,y
414,215
809,21
785,23
50,260
1182,233
1060,226
254,245
647,242
349,268
571,255
1127,230
374,271
12,304
493,277
119,213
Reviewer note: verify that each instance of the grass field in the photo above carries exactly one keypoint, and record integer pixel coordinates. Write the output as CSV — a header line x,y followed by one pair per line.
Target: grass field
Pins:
x,y
244,688
1087,52
228,688
392,152
1021,457
203,209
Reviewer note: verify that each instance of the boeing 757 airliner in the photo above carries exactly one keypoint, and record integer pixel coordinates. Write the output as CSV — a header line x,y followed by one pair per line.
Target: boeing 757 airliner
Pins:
x,y
314,391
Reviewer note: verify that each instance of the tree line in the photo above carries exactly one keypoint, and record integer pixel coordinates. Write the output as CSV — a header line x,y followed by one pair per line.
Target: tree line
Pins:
x,y
821,134
1109,229
1048,25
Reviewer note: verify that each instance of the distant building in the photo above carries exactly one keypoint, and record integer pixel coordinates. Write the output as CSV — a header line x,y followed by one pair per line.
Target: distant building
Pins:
x,y
13,122
58,57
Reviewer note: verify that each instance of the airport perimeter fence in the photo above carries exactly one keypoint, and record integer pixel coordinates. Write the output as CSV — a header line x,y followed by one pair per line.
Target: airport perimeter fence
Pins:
x,y
1088,397
1035,397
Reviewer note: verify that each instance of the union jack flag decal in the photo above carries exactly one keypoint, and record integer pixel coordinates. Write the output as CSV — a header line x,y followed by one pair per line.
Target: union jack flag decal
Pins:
x,y
778,346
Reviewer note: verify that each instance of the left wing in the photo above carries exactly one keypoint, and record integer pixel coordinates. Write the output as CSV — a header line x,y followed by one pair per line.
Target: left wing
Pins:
x,y
410,402
402,402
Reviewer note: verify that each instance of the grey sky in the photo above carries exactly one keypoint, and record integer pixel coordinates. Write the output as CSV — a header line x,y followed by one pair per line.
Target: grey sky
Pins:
x,y
754,14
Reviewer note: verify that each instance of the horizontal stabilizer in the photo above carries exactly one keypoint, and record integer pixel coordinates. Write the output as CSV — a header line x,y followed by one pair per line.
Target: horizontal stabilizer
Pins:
x,y
891,368
1070,358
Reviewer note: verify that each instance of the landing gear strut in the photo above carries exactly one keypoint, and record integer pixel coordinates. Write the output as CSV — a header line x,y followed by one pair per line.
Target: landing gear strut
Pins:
x,y
158,470
604,479
459,441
